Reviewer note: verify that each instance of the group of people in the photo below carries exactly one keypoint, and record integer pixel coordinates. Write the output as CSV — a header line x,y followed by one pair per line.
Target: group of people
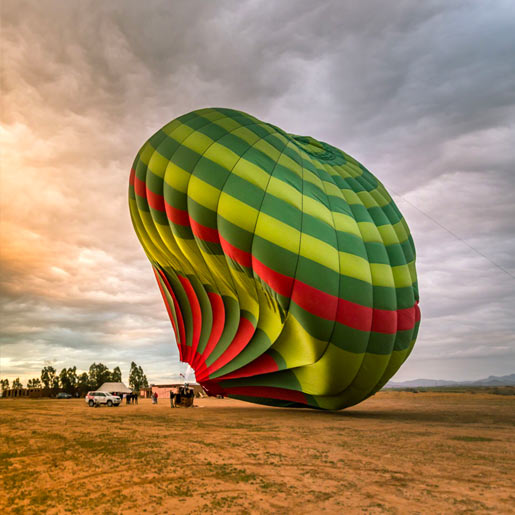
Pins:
x,y
177,395
130,398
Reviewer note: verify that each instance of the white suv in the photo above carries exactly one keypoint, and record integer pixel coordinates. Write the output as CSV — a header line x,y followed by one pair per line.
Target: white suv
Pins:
x,y
95,399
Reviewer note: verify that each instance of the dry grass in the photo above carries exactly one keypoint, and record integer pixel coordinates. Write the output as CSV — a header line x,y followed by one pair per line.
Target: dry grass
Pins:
x,y
397,452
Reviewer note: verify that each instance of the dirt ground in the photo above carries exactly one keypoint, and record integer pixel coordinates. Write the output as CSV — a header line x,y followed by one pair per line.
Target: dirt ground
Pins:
x,y
397,452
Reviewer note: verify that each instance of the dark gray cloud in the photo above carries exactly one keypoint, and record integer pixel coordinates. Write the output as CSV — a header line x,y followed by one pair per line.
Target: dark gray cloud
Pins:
x,y
421,94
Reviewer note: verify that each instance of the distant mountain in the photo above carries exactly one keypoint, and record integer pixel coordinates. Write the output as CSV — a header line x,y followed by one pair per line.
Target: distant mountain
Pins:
x,y
508,380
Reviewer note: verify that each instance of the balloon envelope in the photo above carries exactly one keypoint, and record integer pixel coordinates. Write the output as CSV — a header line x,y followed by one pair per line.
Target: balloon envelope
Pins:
x,y
287,271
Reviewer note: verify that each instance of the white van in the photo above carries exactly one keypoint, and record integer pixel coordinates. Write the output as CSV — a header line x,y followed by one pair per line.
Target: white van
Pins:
x,y
95,399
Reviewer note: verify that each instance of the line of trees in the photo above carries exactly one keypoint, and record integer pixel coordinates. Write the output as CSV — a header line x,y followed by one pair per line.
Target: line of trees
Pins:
x,y
72,382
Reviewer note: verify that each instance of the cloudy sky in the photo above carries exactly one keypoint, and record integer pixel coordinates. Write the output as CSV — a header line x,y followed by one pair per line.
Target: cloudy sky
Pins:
x,y
422,93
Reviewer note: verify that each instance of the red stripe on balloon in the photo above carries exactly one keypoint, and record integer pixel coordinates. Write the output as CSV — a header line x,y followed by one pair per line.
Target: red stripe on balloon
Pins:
x,y
244,333
322,304
178,313
196,316
203,232
268,392
155,201
354,315
264,364
179,335
383,321
280,283
218,309
140,187
406,318
314,301
240,256
168,309
200,365
177,216
131,177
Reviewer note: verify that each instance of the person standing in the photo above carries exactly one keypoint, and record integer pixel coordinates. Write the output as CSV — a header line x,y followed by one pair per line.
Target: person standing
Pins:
x,y
136,397
172,396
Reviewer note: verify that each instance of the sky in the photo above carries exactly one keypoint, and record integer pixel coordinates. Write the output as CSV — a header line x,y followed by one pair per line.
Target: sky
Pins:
x,y
421,93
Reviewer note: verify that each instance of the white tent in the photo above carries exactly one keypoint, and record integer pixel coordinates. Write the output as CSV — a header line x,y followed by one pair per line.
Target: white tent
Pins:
x,y
114,388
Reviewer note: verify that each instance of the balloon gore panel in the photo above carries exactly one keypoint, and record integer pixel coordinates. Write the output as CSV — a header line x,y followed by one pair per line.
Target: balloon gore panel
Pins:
x,y
286,269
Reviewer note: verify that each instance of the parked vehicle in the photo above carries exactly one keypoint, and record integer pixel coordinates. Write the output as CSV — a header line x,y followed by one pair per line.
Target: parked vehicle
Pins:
x,y
63,395
95,399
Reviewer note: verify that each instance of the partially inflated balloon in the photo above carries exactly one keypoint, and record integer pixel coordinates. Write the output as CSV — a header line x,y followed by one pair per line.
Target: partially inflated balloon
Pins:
x,y
287,271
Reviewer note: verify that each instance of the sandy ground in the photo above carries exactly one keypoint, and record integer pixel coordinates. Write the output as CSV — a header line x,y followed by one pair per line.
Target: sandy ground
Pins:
x,y
395,453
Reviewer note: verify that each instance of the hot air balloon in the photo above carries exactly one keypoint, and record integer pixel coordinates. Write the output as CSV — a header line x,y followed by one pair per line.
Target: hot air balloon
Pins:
x,y
287,271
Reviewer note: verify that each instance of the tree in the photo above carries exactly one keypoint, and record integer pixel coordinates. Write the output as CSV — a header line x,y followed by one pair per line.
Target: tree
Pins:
x,y
4,384
49,377
34,383
68,379
98,375
116,376
17,384
64,382
137,379
83,383
72,379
